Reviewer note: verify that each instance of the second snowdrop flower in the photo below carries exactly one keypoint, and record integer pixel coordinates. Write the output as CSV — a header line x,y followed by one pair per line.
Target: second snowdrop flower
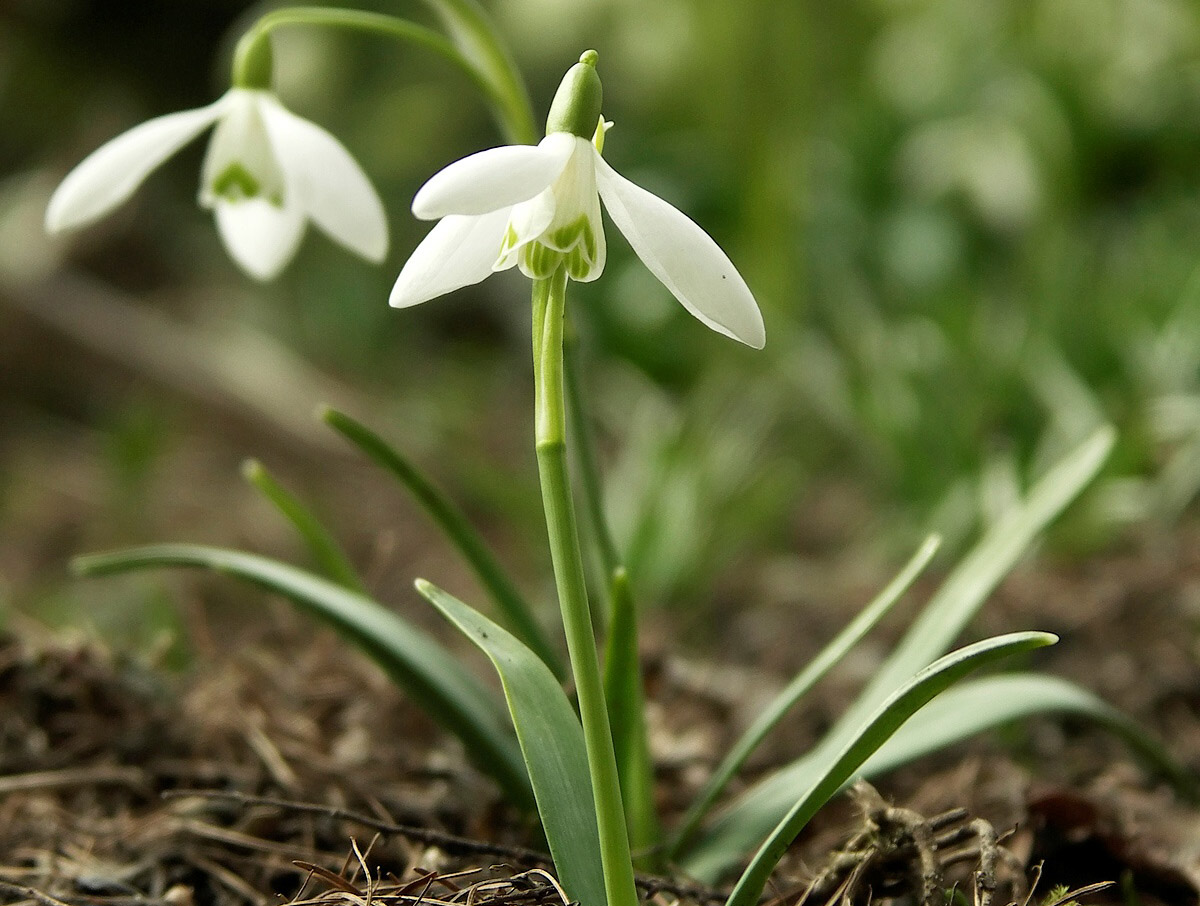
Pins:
x,y
266,174
538,207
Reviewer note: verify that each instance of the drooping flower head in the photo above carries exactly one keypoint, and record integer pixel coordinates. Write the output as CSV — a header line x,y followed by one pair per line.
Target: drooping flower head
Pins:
x,y
538,207
266,174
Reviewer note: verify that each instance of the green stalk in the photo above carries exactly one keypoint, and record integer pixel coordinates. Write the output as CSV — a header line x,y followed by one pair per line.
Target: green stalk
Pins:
x,y
502,88
475,35
549,299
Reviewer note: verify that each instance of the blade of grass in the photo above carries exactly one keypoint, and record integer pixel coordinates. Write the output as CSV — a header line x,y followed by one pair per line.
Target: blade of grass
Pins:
x,y
427,672
627,716
829,656
965,590
981,704
328,554
551,739
713,852
458,529
840,767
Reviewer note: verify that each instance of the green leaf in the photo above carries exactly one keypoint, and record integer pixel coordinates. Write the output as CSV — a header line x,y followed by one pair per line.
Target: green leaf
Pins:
x,y
457,528
825,660
627,718
426,671
958,600
551,739
835,770
942,619
321,543
982,704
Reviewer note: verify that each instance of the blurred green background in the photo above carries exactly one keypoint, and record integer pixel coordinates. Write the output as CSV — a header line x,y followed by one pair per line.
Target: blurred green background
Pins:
x,y
972,229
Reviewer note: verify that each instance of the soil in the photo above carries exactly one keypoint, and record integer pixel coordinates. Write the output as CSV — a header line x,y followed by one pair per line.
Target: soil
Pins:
x,y
290,770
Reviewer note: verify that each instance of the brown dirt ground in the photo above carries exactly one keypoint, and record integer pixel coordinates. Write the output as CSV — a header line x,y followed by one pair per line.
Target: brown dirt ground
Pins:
x,y
90,744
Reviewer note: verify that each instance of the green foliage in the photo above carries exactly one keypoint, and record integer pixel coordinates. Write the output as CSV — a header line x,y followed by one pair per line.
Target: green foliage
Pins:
x,y
838,767
324,548
418,664
970,232
825,660
977,705
551,740
458,529
945,616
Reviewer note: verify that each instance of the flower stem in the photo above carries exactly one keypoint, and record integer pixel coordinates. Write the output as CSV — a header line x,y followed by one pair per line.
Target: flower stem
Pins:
x,y
502,88
477,39
549,299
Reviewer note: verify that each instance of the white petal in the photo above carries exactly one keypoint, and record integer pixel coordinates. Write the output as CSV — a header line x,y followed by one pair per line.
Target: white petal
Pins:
x,y
493,179
333,189
528,221
111,173
684,257
261,237
459,251
241,140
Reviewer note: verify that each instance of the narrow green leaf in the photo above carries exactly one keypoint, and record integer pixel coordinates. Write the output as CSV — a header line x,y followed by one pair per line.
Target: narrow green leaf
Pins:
x,y
958,600
754,813
977,705
825,660
325,550
841,766
458,529
426,671
551,739
981,704
627,716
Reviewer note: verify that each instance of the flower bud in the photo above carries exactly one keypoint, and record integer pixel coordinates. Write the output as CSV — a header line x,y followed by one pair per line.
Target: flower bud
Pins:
x,y
576,106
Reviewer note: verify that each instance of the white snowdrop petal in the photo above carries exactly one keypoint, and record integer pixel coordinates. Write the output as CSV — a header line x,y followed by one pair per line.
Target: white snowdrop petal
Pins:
x,y
494,179
111,173
684,257
332,188
240,141
527,221
458,252
260,236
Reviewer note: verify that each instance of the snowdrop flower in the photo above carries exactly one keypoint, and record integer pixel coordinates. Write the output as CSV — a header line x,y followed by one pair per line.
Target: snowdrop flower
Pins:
x,y
266,174
538,207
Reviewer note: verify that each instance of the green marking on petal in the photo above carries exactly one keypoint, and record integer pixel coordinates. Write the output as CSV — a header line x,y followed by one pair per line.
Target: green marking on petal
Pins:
x,y
538,261
572,234
510,240
237,183
578,265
